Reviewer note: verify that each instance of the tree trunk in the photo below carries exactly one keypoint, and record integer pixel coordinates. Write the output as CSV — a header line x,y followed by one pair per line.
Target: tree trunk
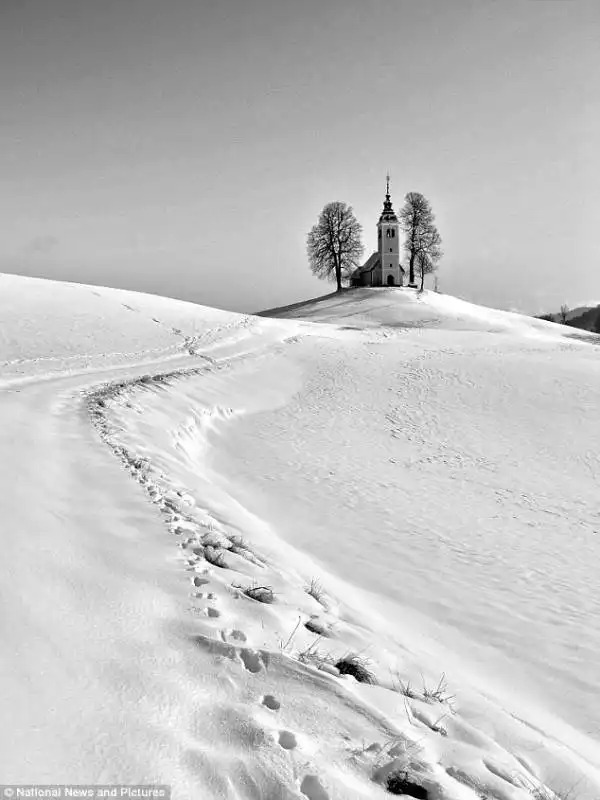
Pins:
x,y
411,274
338,273
422,279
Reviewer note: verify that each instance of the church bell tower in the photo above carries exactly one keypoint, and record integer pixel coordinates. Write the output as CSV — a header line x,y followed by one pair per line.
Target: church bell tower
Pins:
x,y
388,242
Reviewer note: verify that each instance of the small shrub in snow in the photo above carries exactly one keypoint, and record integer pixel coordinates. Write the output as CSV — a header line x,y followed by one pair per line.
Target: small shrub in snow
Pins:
x,y
399,783
312,655
437,694
440,694
263,594
405,688
358,667
315,590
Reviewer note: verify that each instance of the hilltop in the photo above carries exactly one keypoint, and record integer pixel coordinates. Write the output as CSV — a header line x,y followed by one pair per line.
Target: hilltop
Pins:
x,y
405,308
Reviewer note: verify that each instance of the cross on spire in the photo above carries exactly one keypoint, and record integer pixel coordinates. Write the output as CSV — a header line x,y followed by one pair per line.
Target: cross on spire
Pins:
x,y
388,215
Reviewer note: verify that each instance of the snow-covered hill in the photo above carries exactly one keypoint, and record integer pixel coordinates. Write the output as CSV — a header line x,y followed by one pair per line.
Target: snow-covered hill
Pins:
x,y
47,327
413,476
404,308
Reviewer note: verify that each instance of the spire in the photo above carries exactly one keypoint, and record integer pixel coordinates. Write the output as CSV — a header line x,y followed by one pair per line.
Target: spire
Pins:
x,y
388,214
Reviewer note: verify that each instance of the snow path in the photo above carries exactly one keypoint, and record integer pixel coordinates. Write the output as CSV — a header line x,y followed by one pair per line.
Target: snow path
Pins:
x,y
105,676
129,655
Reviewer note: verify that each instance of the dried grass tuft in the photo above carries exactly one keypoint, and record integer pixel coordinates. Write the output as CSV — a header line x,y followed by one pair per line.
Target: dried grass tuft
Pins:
x,y
358,667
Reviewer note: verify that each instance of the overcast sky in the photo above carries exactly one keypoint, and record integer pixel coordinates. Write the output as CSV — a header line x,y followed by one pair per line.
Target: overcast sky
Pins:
x,y
186,147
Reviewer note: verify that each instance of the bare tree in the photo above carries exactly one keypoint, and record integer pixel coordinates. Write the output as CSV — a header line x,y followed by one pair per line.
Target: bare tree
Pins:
x,y
564,311
426,265
334,244
423,241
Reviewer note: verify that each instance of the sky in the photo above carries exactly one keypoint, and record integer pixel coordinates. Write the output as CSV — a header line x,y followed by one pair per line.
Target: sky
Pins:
x,y
186,147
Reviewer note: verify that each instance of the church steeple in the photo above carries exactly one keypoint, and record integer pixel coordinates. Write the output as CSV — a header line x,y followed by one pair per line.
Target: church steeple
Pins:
x,y
388,241
388,214
383,267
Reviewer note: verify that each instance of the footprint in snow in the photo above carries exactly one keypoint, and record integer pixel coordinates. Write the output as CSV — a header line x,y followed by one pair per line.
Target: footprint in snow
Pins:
x,y
287,740
271,702
311,787
233,635
253,660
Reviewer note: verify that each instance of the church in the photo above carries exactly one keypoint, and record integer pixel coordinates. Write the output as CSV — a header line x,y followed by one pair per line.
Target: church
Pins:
x,y
383,268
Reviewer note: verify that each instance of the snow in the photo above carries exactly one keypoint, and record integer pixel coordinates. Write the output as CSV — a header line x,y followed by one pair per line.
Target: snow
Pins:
x,y
52,327
432,464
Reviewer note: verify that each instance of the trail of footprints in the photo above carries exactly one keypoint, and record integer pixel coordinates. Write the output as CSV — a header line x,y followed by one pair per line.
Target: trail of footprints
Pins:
x,y
219,550
232,644
201,542
206,548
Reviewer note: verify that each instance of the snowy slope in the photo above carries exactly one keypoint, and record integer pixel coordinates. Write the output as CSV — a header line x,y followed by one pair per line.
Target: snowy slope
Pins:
x,y
404,308
432,463
49,327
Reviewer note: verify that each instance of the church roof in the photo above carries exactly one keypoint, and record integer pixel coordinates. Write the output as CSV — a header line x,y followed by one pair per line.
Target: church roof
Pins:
x,y
388,214
372,262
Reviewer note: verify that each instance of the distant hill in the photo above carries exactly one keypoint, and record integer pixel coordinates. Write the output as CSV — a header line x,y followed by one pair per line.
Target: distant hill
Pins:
x,y
586,318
